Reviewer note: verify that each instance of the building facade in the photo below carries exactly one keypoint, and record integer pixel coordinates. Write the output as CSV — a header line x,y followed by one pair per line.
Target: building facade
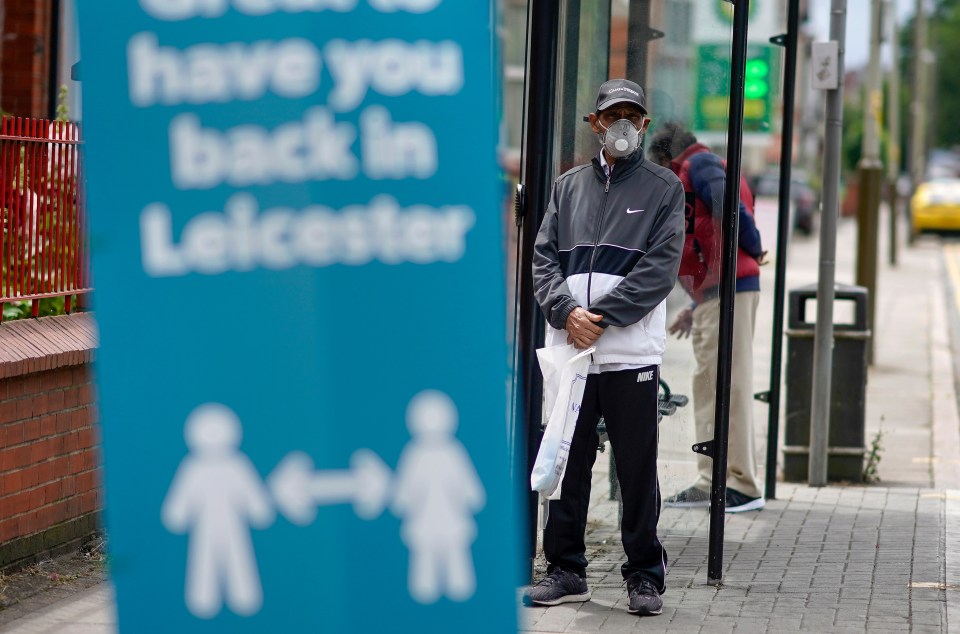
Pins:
x,y
38,50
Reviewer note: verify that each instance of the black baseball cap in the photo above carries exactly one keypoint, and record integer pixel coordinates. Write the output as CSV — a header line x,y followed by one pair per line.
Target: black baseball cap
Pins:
x,y
617,91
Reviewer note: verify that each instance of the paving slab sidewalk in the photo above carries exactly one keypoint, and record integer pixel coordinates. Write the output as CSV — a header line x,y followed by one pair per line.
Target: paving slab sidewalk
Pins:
x,y
835,559
832,559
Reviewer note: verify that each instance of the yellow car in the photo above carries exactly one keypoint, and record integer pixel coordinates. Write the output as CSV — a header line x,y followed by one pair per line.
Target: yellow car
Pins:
x,y
936,206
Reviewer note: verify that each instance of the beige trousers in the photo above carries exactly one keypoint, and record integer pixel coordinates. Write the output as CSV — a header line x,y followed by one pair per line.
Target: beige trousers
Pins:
x,y
741,450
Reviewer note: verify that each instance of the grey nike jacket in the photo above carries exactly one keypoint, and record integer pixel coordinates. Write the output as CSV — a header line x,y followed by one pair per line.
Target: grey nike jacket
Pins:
x,y
612,245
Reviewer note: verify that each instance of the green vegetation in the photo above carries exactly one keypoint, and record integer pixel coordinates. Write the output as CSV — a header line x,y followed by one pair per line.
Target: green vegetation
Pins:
x,y
48,306
871,467
944,41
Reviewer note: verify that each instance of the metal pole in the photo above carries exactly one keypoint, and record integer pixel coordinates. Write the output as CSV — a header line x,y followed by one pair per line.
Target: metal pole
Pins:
x,y
893,144
823,332
536,176
930,86
870,171
728,283
918,107
638,39
53,85
569,52
783,235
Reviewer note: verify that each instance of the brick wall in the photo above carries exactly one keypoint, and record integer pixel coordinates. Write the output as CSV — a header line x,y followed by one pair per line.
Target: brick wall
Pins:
x,y
25,57
50,494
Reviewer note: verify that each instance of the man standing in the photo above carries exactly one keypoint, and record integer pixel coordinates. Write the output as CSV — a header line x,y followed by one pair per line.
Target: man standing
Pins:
x,y
703,176
605,260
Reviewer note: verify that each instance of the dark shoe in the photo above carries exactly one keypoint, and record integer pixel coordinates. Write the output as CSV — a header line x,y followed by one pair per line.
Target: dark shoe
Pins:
x,y
738,502
690,498
644,598
559,586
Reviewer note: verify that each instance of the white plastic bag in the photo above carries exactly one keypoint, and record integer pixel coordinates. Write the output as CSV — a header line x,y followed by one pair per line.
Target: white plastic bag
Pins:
x,y
552,360
564,378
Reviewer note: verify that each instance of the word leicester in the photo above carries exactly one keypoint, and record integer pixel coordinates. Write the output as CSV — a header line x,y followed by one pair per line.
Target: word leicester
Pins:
x,y
242,239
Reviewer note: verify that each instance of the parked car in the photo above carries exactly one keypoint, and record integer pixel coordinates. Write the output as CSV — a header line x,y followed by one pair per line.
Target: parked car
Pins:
x,y
942,164
804,198
935,206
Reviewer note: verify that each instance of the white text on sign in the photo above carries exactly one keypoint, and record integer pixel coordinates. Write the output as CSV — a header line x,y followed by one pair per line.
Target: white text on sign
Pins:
x,y
241,238
316,148
218,73
344,129
175,10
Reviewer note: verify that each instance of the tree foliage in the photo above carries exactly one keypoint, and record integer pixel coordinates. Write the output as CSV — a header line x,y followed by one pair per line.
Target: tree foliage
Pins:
x,y
943,39
945,42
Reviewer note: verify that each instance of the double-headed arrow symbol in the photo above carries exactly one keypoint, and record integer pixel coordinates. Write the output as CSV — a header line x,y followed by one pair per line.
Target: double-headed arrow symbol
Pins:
x,y
299,489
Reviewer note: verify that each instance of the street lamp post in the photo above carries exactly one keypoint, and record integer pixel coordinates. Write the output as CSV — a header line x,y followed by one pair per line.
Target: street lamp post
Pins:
x,y
870,171
893,123
823,331
918,107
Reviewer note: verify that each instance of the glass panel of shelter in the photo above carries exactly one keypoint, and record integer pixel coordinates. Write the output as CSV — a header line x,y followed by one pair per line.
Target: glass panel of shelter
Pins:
x,y
679,52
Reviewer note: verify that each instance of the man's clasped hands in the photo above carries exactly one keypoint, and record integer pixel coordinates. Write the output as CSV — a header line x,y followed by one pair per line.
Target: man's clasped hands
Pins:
x,y
582,329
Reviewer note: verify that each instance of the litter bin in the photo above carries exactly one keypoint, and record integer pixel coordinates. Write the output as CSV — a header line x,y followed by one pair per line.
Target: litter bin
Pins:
x,y
848,384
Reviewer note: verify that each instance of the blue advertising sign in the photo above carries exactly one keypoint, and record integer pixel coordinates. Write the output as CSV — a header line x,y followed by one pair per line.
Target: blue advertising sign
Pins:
x,y
297,239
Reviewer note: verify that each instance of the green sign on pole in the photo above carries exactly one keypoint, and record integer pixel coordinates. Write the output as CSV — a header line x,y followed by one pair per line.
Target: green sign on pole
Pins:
x,y
713,87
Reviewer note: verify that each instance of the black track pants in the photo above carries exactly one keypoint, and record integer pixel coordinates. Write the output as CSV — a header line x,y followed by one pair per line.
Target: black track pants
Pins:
x,y
627,400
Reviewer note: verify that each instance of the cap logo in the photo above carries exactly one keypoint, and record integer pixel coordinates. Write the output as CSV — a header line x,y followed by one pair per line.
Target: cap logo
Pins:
x,y
618,89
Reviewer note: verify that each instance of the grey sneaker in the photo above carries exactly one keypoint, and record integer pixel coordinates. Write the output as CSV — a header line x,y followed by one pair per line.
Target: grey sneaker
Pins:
x,y
559,586
644,598
737,502
689,498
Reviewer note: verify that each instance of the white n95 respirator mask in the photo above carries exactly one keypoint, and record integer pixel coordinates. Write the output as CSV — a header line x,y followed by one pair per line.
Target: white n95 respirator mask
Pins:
x,y
621,139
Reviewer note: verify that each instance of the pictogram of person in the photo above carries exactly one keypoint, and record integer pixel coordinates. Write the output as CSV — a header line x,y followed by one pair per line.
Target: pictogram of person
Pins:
x,y
216,497
436,494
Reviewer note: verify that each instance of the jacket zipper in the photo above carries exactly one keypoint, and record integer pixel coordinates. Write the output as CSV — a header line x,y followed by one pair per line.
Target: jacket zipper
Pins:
x,y
596,242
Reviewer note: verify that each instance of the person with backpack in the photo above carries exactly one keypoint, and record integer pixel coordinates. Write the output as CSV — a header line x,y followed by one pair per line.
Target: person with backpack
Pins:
x,y
703,175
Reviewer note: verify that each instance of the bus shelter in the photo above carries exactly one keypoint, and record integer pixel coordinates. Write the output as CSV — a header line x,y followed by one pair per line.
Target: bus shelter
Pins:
x,y
723,71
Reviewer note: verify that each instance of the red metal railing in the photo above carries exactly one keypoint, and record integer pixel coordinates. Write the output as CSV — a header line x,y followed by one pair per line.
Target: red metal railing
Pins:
x,y
43,244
